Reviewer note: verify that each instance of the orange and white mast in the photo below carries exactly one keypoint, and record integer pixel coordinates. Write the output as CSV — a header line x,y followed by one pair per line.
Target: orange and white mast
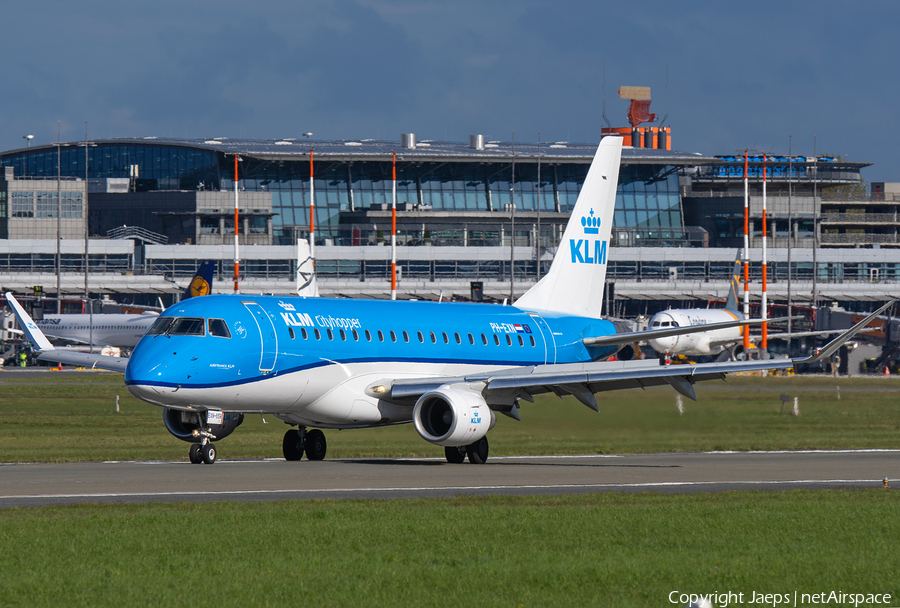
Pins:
x,y
312,214
746,329
237,258
765,326
394,230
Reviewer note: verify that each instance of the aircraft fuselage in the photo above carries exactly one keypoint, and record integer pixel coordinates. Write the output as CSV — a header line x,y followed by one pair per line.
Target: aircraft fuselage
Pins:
x,y
311,360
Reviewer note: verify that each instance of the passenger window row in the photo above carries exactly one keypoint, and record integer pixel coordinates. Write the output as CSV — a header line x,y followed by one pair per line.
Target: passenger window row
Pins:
x,y
419,335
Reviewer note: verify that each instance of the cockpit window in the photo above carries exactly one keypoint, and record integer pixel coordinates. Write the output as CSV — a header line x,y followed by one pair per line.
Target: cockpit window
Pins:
x,y
186,326
182,326
218,327
160,326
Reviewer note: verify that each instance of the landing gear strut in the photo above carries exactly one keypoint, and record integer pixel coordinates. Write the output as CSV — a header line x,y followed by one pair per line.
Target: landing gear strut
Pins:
x,y
298,441
477,452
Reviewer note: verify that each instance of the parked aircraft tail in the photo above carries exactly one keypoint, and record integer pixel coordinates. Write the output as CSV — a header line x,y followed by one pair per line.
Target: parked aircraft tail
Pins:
x,y
574,285
201,284
731,304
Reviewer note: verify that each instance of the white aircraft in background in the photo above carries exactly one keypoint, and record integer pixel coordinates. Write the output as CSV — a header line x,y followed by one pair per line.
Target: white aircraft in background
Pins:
x,y
727,342
115,330
702,343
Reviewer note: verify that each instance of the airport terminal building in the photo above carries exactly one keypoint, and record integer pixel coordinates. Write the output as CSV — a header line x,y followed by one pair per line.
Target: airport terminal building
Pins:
x,y
467,213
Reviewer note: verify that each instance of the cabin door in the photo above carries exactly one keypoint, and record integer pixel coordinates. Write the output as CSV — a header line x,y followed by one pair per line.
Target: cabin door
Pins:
x,y
268,338
543,330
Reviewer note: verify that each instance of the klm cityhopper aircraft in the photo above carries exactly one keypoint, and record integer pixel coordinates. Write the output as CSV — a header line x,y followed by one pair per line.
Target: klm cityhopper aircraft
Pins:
x,y
446,367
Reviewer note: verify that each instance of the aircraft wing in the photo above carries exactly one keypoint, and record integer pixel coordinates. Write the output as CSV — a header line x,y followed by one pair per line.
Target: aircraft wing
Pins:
x,y
115,364
653,334
503,388
786,336
583,380
48,353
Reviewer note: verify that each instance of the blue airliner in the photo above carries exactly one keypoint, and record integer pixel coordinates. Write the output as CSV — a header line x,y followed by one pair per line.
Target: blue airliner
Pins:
x,y
448,368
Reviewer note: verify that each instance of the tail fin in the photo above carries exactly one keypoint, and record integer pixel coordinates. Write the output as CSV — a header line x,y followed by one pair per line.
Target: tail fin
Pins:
x,y
201,284
731,304
574,285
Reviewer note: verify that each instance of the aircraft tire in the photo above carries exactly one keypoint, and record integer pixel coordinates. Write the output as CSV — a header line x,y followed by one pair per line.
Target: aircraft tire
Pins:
x,y
454,454
478,451
292,446
209,453
315,445
194,455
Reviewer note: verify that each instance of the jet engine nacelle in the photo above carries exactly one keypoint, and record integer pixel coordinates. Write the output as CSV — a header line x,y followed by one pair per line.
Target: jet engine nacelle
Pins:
x,y
182,424
452,417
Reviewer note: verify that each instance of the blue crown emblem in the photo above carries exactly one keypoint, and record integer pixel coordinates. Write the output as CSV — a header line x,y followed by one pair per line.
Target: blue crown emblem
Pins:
x,y
590,223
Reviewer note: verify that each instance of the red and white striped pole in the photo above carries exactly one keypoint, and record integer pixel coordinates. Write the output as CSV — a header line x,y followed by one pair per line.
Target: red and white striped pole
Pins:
x,y
237,258
746,253
765,302
394,230
312,215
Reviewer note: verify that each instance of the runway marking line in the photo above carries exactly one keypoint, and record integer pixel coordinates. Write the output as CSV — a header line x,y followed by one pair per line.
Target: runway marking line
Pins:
x,y
530,457
439,488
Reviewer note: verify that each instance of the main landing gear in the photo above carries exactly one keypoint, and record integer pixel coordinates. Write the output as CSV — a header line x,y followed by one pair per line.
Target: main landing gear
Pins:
x,y
203,452
477,452
298,441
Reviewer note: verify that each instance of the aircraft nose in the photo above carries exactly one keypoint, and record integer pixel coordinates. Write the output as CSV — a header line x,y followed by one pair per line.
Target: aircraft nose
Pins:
x,y
146,362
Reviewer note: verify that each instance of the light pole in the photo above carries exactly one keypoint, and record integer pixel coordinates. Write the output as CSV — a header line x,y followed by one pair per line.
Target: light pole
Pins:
x,y
84,211
58,222
512,223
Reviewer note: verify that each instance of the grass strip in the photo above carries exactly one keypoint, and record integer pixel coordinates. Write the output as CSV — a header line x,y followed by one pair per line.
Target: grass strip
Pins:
x,y
586,550
58,420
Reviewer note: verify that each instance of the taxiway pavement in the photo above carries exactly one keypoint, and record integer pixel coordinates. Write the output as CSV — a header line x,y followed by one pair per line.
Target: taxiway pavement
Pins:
x,y
25,485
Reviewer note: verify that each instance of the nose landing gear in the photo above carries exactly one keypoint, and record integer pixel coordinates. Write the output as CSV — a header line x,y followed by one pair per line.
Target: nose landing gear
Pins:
x,y
203,452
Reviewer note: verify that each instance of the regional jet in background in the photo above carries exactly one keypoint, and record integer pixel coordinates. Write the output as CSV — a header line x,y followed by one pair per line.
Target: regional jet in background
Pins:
x,y
116,330
449,368
727,343
702,343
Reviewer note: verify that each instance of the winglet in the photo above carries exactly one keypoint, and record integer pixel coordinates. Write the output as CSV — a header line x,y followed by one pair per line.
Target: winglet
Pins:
x,y
32,331
830,348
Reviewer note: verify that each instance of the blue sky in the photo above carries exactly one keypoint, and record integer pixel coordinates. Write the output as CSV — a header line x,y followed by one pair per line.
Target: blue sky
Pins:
x,y
739,75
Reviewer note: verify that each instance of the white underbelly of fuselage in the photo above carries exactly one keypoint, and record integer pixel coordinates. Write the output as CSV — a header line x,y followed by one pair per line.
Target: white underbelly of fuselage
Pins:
x,y
329,396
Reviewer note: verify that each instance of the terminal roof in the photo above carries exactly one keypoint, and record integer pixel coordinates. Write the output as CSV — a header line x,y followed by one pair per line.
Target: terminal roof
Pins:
x,y
425,151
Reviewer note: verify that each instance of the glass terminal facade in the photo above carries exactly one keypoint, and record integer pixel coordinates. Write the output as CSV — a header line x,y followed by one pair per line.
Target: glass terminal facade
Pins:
x,y
648,196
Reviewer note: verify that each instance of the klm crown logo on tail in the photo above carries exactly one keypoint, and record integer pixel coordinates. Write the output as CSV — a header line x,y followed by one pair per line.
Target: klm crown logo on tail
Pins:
x,y
581,249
